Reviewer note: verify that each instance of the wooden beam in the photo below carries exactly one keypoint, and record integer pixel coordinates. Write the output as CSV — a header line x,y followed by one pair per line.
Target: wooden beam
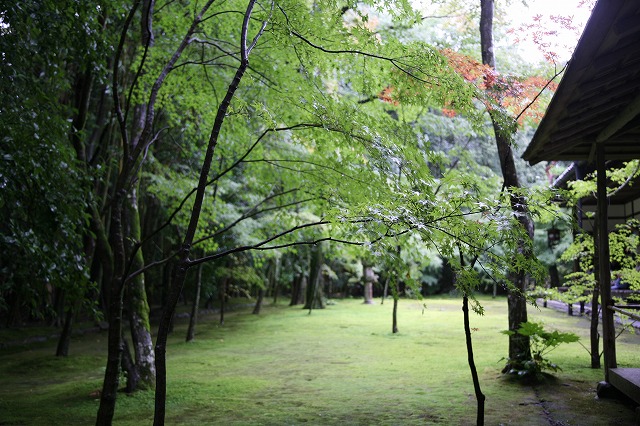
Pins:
x,y
629,113
608,327
627,313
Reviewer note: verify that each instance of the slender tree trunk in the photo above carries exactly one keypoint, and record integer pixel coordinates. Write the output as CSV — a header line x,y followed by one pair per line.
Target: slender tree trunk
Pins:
x,y
183,257
517,308
554,276
472,365
117,243
315,296
270,284
114,316
275,285
222,294
129,366
258,305
298,289
396,296
480,397
193,320
385,290
65,335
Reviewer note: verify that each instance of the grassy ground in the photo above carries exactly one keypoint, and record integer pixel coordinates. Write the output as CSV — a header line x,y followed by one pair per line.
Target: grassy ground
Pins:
x,y
338,366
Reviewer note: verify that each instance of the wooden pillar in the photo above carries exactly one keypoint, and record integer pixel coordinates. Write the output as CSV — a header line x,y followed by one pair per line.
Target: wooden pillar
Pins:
x,y
608,326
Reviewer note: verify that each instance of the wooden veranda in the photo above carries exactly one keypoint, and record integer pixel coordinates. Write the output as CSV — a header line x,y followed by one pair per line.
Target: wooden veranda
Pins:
x,y
594,117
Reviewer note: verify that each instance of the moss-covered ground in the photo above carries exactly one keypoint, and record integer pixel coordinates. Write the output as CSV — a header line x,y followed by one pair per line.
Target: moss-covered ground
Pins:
x,y
337,366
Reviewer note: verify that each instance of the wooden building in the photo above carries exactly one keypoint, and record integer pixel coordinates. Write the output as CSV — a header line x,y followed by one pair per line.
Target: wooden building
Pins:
x,y
594,118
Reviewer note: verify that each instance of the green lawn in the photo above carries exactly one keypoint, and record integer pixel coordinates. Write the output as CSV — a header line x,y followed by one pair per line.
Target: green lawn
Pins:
x,y
338,366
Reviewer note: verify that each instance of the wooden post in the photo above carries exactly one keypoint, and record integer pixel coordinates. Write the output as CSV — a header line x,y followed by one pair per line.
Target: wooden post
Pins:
x,y
608,327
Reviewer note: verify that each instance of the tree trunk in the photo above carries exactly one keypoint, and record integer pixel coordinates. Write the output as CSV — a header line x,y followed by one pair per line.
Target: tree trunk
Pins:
x,y
65,335
258,305
270,284
516,301
114,316
222,294
394,327
193,320
184,263
472,365
129,367
519,345
554,277
315,296
138,306
368,293
385,291
275,279
298,288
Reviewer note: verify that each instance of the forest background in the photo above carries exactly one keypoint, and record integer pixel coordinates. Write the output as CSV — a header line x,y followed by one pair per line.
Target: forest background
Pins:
x,y
158,152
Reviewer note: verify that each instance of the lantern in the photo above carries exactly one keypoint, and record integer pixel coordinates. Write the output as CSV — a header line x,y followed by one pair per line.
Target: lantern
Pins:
x,y
553,236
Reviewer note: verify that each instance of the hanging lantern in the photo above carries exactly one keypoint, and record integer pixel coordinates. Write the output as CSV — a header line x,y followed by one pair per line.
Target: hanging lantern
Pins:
x,y
553,236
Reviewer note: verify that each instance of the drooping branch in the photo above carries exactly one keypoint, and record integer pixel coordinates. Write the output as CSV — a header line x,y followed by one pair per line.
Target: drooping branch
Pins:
x,y
396,62
535,98
253,212
216,178
262,246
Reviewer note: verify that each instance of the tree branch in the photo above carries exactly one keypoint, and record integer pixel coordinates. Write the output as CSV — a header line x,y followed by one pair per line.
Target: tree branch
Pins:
x,y
540,92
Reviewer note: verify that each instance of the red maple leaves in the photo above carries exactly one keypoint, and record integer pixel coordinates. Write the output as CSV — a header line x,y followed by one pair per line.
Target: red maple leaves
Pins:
x,y
510,92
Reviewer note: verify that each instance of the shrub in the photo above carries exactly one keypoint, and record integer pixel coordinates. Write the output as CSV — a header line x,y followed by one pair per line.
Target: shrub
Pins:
x,y
542,342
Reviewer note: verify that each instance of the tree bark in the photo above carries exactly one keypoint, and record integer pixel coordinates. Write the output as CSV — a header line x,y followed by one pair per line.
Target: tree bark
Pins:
x,y
258,306
554,277
138,306
480,397
129,367
396,296
517,307
65,335
114,316
222,294
298,288
315,296
193,320
275,284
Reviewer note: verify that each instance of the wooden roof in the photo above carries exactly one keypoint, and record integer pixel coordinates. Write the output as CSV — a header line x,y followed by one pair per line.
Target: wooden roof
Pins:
x,y
598,98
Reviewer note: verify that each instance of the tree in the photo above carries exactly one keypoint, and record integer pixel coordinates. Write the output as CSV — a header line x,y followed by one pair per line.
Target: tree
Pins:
x,y
46,247
519,346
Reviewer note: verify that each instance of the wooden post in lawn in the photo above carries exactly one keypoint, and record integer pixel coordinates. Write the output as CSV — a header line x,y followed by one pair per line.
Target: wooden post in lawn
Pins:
x,y
608,330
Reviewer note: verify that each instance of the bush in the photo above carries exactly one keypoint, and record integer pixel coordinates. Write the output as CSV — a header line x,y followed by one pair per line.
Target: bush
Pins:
x,y
542,342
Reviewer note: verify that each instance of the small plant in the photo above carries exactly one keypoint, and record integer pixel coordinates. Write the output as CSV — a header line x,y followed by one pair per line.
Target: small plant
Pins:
x,y
542,342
